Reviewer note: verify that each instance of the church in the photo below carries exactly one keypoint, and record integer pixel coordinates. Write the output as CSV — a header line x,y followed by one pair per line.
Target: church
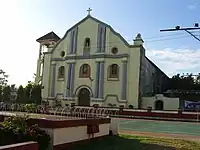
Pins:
x,y
93,65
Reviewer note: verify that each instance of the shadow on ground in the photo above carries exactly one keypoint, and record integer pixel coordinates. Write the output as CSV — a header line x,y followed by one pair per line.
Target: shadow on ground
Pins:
x,y
118,143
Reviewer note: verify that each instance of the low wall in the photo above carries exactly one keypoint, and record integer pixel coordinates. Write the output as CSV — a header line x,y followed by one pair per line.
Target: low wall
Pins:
x,y
65,132
160,115
169,103
114,126
21,146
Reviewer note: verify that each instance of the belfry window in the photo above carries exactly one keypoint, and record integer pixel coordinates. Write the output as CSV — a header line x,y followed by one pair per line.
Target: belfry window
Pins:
x,y
87,43
86,49
61,72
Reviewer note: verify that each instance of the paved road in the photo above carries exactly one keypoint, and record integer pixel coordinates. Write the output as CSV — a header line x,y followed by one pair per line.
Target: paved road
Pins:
x,y
166,127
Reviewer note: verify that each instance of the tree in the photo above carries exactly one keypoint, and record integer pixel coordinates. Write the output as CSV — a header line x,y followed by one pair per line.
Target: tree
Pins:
x,y
3,82
6,93
1,93
13,87
27,92
3,78
13,92
185,82
20,94
36,94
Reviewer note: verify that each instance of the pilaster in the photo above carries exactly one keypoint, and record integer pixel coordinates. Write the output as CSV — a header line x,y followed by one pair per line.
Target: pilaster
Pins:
x,y
124,79
70,80
53,79
101,80
97,80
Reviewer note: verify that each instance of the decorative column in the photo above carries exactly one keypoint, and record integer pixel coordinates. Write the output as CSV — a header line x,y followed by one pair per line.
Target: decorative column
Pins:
x,y
72,79
124,79
68,80
71,42
99,33
101,80
97,80
103,39
75,38
53,79
72,46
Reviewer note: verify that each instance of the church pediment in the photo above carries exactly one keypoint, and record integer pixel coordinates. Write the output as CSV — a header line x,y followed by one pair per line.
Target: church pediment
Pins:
x,y
89,18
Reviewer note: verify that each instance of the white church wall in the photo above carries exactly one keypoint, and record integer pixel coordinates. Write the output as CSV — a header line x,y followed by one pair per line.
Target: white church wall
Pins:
x,y
59,85
46,76
115,41
112,85
85,81
62,46
112,89
169,103
133,70
88,29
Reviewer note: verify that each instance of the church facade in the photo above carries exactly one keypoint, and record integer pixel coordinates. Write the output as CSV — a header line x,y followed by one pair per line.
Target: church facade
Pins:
x,y
94,65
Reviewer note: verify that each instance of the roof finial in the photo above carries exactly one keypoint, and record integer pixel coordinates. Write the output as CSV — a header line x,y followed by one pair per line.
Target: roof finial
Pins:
x,y
89,10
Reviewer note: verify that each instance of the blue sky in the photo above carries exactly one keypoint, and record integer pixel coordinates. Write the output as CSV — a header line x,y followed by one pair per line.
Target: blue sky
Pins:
x,y
23,21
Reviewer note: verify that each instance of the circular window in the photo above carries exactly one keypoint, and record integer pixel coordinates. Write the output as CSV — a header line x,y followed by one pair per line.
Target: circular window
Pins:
x,y
62,53
114,50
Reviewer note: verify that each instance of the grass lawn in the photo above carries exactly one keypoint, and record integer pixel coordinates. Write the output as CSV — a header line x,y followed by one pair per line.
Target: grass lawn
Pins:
x,y
125,142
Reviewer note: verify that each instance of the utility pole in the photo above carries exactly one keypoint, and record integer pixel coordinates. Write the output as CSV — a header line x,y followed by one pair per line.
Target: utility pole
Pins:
x,y
188,30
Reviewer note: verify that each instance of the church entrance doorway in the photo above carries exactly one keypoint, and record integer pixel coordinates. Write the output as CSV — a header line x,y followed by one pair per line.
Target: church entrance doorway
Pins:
x,y
84,97
159,105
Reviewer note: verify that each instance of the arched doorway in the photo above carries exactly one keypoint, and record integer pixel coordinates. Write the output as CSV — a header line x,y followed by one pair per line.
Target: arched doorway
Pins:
x,y
84,97
159,105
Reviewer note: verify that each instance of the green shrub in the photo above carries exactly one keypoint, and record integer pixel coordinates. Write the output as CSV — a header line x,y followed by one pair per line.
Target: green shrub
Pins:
x,y
34,133
130,106
30,107
16,130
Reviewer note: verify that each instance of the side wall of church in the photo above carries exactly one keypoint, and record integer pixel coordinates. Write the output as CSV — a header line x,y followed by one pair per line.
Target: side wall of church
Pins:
x,y
154,81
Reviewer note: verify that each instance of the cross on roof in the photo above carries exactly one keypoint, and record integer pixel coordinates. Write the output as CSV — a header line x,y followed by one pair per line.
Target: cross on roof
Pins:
x,y
89,10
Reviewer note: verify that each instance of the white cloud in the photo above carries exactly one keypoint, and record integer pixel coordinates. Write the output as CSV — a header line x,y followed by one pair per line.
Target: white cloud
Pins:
x,y
192,6
173,61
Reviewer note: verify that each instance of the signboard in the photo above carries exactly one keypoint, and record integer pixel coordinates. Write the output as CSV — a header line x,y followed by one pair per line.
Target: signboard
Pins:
x,y
192,105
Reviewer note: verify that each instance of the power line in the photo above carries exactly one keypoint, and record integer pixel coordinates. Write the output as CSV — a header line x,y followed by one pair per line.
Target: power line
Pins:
x,y
154,37
177,28
186,36
148,41
192,35
188,30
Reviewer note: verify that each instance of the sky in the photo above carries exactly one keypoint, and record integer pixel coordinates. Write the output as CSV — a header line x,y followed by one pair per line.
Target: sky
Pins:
x,y
23,21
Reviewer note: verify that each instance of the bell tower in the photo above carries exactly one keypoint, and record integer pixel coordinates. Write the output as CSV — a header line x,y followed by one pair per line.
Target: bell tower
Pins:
x,y
46,43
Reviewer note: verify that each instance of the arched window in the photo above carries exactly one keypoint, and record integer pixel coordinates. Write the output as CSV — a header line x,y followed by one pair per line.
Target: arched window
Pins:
x,y
159,105
113,71
84,71
86,49
61,72
87,43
